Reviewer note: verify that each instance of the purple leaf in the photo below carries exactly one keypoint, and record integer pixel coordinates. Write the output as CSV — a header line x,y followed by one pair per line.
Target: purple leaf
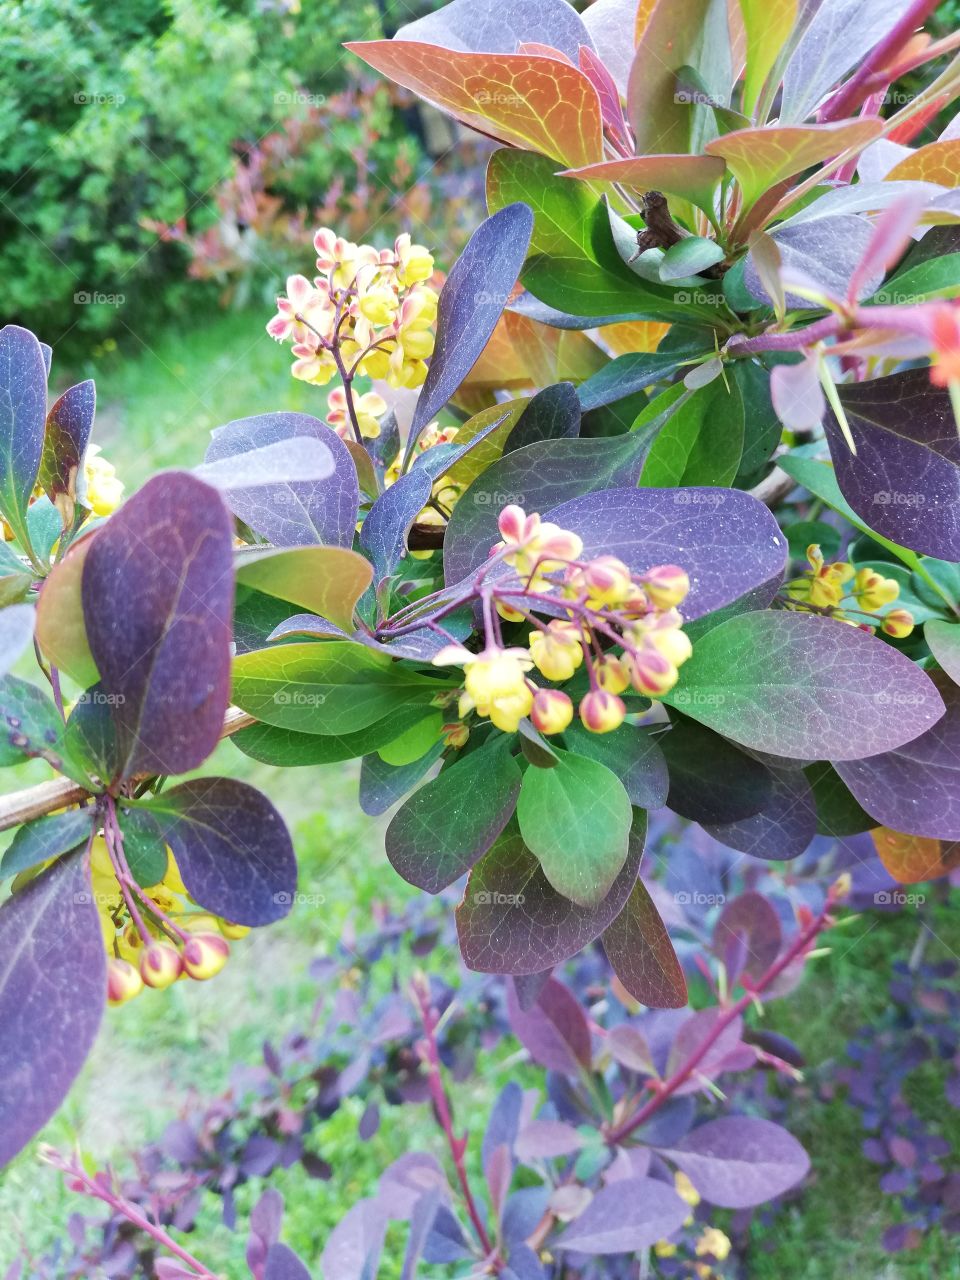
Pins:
x,y
446,826
726,540
384,532
784,826
536,477
283,1264
472,299
625,1217
829,250
512,921
690,1039
628,1046
751,922
501,1130
157,600
916,787
794,685
291,512
555,1031
642,955
53,988
23,407
16,632
353,1247
67,435
491,26
232,847
421,1225
710,779
740,1161
528,987
547,1140
904,479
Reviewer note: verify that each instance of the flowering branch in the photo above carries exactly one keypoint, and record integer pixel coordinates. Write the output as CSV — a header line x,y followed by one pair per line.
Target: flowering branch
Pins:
x,y
664,1089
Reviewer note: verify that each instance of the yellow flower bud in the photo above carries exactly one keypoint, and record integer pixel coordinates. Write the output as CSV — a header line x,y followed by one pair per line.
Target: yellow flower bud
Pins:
x,y
873,590
123,981
160,965
602,712
507,711
557,651
231,930
552,711
666,585
898,623
204,955
713,1242
685,1188
612,674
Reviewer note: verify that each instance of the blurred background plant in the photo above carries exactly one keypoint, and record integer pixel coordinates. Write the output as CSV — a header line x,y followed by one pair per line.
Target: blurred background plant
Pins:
x,y
159,156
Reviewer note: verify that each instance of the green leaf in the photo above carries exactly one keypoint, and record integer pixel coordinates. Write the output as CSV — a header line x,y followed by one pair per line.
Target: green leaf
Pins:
x,y
326,580
762,428
414,742
144,846
30,726
331,686
936,278
46,838
808,532
446,826
700,443
689,257
632,753
44,526
791,684
286,748
838,811
576,818
944,641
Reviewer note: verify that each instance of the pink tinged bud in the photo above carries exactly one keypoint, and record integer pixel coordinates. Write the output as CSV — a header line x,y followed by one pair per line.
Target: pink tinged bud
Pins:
x,y
602,712
204,955
123,981
552,711
160,965
512,523
652,673
898,623
456,734
666,585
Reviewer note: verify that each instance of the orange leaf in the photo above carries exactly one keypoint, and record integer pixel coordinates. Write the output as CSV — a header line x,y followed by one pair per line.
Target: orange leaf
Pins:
x,y
692,178
910,859
760,158
936,162
537,103
633,335
523,354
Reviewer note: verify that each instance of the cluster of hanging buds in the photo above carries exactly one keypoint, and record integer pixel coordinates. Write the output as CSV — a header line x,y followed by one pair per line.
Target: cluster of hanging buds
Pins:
x,y
609,629
369,312
156,935
860,597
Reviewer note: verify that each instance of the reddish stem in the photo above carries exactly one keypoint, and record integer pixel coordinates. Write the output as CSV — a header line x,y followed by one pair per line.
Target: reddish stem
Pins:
x,y
800,944
846,100
430,1054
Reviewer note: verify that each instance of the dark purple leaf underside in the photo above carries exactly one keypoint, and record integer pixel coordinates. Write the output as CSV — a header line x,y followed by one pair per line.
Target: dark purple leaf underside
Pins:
x,y
642,955
157,600
904,480
23,408
446,826
552,414
68,428
740,1161
475,293
784,826
915,788
232,848
555,1031
298,513
52,994
283,1264
511,920
749,928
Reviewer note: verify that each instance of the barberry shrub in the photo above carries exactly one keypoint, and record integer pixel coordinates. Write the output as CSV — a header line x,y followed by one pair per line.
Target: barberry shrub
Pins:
x,y
560,596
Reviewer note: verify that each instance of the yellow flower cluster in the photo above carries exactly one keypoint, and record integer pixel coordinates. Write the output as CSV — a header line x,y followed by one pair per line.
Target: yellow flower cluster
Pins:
x,y
104,490
154,960
604,605
825,588
367,309
445,493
